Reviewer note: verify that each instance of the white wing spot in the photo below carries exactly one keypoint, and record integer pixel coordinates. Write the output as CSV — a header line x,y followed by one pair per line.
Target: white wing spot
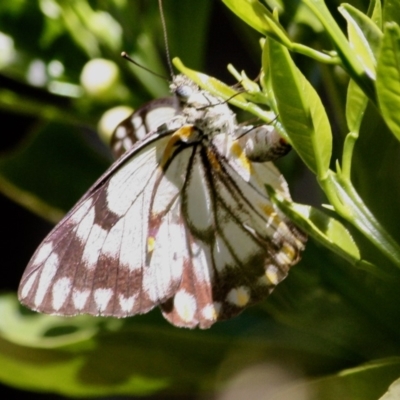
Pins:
x,y
272,275
131,251
202,263
127,303
122,190
28,285
164,271
140,132
120,132
185,305
157,116
93,245
117,146
46,277
79,297
112,244
198,207
239,296
85,224
102,298
137,122
43,252
211,311
281,259
81,211
61,290
127,143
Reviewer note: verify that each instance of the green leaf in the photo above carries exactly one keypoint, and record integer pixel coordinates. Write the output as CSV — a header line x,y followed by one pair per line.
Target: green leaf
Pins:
x,y
80,33
259,18
88,356
137,356
95,21
394,391
252,90
300,110
365,26
375,12
326,230
356,103
223,91
366,382
391,11
348,57
388,78
374,166
262,20
364,37
349,205
73,373
44,331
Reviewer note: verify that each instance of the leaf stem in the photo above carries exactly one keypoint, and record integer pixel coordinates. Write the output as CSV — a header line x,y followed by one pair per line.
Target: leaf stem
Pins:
x,y
348,204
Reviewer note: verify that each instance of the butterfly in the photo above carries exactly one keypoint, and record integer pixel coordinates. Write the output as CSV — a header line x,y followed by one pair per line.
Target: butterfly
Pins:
x,y
180,220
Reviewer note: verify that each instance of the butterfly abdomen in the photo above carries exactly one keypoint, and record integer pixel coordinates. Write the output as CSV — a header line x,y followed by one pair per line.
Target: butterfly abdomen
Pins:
x,y
262,143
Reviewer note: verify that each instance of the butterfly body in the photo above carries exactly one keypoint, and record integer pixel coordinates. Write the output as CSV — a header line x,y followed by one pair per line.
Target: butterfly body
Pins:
x,y
181,220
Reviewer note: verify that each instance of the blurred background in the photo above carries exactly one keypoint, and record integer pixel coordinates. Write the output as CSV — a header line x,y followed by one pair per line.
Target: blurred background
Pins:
x,y
63,88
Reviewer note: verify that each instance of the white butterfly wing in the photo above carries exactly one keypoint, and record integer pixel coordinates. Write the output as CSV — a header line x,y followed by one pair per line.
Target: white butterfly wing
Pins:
x,y
181,220
185,226
240,247
93,260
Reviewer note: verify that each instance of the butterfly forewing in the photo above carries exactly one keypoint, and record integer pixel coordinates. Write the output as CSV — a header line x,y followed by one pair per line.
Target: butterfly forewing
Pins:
x,y
181,220
99,246
143,121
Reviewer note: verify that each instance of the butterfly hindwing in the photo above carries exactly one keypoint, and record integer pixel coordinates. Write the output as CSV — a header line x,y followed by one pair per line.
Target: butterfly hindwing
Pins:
x,y
229,267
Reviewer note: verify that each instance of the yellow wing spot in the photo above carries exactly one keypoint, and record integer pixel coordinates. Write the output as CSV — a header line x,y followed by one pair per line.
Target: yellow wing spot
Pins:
x,y
272,274
288,249
286,254
185,132
239,296
268,210
238,152
181,135
273,217
150,243
213,160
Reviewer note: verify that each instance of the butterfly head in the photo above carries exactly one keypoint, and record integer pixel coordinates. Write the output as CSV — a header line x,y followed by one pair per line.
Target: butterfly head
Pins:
x,y
202,109
183,88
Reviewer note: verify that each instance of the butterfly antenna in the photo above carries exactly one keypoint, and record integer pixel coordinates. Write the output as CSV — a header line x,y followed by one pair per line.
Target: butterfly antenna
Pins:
x,y
255,126
165,33
222,102
125,55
